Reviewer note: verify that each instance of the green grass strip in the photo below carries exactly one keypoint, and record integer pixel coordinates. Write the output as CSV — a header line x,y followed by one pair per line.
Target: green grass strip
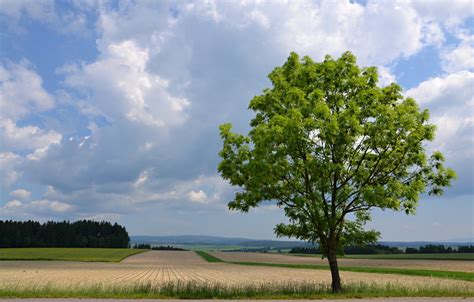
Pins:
x,y
208,257
465,276
68,254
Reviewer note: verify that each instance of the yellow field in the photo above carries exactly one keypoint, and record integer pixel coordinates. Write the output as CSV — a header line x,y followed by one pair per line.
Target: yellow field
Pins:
x,y
447,265
157,267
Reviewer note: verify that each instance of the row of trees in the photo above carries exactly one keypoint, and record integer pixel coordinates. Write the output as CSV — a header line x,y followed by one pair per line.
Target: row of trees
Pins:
x,y
439,249
352,250
84,233
383,249
146,246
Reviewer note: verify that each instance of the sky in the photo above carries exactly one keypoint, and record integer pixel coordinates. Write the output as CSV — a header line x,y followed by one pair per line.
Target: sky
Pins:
x,y
110,109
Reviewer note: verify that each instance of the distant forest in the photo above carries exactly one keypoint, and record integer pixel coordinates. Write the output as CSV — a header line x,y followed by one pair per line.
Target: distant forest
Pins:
x,y
147,246
382,249
84,233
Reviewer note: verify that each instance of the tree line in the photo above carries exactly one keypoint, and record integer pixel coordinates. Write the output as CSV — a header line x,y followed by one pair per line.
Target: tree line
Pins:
x,y
146,246
352,250
383,249
439,249
83,233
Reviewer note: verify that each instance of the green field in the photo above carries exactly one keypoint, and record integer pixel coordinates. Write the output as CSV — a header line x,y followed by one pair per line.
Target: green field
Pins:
x,y
70,254
453,256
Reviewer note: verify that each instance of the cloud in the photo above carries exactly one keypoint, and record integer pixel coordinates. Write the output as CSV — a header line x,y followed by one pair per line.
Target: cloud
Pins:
x,y
199,196
119,86
460,57
147,108
164,82
326,27
67,18
386,77
450,99
22,92
449,13
39,208
9,169
22,96
21,194
36,10
26,138
13,204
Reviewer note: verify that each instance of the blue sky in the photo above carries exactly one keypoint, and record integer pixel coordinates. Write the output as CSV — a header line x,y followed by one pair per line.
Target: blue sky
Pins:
x,y
110,109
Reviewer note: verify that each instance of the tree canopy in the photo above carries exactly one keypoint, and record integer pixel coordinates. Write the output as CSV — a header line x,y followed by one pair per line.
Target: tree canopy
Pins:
x,y
327,144
84,233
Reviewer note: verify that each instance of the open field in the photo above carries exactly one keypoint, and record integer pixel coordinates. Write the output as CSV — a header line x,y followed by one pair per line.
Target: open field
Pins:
x,y
70,254
423,264
158,273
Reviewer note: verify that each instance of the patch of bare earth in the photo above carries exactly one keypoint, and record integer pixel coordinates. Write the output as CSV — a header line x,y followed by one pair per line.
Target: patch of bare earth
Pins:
x,y
446,265
157,267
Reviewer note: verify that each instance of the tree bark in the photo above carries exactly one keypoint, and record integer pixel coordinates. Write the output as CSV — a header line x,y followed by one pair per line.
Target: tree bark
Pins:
x,y
336,279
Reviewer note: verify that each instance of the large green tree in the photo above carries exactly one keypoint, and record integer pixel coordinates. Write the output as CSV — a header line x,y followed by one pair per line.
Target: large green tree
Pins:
x,y
327,145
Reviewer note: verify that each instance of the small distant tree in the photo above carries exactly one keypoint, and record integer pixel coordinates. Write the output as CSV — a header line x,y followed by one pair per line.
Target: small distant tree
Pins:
x,y
327,145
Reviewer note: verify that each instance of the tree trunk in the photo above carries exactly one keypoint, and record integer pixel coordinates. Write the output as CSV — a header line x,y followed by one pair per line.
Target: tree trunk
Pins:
x,y
336,279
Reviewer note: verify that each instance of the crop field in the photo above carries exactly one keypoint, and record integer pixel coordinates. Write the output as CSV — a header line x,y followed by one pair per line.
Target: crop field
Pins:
x,y
158,269
69,254
444,265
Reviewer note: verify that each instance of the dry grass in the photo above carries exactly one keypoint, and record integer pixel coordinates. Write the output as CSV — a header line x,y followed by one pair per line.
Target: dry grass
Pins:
x,y
446,265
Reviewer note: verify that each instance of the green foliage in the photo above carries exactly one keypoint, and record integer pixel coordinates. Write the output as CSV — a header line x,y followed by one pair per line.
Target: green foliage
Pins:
x,y
83,233
69,254
144,246
327,144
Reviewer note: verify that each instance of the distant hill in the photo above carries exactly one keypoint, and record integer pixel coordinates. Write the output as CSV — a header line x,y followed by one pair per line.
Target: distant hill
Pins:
x,y
215,240
187,240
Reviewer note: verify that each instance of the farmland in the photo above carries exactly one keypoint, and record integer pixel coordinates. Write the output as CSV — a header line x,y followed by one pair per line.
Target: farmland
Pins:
x,y
446,265
158,269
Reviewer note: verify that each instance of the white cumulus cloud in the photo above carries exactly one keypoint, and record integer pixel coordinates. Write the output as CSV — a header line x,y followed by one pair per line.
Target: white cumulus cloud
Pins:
x,y
22,92
120,86
21,194
198,196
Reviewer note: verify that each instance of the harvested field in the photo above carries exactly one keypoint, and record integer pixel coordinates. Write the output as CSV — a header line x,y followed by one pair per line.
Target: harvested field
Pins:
x,y
158,267
445,265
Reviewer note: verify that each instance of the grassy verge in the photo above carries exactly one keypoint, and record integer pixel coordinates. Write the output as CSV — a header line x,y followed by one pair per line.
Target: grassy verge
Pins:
x,y
69,254
378,270
203,290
